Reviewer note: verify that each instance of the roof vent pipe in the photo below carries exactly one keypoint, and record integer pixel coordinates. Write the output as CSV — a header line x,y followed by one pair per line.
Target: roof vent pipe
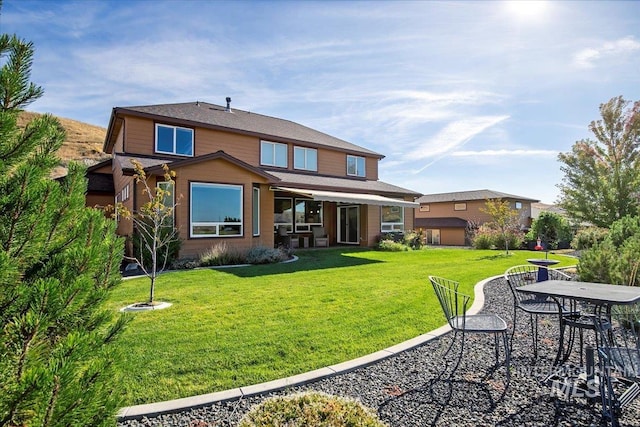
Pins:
x,y
228,104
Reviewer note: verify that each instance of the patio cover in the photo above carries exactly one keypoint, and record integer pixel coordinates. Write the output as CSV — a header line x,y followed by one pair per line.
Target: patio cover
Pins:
x,y
356,198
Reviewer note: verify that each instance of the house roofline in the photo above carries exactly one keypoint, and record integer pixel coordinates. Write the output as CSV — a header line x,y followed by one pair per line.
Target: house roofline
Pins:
x,y
118,111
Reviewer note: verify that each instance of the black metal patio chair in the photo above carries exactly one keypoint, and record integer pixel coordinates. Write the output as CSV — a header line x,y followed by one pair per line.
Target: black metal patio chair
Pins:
x,y
534,306
619,360
454,305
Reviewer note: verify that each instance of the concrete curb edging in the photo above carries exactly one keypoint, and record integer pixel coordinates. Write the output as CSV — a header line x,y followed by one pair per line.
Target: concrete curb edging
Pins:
x,y
170,406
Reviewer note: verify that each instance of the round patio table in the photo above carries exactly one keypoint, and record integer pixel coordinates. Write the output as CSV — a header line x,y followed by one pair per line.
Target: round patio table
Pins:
x,y
543,274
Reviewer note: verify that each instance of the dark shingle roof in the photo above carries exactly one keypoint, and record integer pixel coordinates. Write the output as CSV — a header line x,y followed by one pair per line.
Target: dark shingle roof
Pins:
x,y
440,223
215,116
462,196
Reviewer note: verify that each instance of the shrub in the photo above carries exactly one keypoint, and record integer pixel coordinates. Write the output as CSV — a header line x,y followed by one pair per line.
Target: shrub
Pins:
x,y
414,239
310,409
264,255
483,240
221,254
615,259
588,237
391,246
185,264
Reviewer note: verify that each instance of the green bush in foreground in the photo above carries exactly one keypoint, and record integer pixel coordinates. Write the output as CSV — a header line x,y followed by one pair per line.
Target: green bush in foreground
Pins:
x,y
310,409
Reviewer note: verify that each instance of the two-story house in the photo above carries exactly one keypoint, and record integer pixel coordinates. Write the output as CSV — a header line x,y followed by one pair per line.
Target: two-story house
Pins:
x,y
444,217
245,178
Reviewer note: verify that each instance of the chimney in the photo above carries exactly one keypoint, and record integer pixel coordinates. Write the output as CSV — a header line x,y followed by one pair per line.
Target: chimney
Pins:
x,y
228,104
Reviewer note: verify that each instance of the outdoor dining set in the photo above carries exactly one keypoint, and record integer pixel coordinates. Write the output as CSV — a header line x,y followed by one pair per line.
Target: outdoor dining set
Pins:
x,y
608,371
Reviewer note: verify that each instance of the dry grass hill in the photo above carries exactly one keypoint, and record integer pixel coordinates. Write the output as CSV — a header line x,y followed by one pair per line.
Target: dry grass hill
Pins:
x,y
82,144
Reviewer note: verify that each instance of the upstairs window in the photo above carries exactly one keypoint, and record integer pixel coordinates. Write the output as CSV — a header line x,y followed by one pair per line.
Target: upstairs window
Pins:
x,y
305,159
273,154
355,166
459,206
174,140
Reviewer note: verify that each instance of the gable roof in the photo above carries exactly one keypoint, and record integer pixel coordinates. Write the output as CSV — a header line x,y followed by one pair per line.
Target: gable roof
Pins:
x,y
154,165
465,196
203,114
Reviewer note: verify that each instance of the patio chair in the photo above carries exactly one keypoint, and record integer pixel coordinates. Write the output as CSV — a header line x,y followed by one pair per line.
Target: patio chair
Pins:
x,y
619,360
521,275
320,237
454,305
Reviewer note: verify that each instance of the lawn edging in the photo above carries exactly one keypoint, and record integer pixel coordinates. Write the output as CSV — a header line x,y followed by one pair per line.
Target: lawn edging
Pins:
x,y
192,402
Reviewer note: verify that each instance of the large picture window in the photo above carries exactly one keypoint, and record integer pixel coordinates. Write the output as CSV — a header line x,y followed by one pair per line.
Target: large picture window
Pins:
x,y
283,213
355,166
392,218
174,140
305,158
216,210
308,214
273,154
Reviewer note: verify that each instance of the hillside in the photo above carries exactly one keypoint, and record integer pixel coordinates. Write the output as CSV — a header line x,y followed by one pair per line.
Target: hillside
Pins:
x,y
82,144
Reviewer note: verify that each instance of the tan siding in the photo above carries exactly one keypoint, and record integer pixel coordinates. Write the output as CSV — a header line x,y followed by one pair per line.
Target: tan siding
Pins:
x,y
472,213
222,172
118,145
452,236
408,218
332,163
371,167
243,147
125,226
370,227
139,136
98,201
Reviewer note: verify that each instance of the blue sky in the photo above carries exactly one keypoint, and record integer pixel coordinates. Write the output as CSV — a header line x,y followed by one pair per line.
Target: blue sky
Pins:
x,y
457,95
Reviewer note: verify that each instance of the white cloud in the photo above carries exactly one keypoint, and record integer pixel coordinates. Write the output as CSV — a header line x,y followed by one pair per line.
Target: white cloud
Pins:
x,y
505,153
591,56
454,135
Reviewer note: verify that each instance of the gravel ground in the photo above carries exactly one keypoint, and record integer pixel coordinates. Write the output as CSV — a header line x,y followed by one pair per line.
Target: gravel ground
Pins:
x,y
414,389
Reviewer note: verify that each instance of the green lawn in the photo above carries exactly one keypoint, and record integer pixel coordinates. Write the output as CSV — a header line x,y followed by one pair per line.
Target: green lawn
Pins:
x,y
239,326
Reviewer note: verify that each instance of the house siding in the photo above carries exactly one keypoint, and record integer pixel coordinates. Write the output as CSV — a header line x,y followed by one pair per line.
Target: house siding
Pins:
x,y
134,135
222,172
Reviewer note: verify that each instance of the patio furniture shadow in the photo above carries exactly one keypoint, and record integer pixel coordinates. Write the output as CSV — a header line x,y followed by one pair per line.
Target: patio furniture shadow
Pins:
x,y
439,396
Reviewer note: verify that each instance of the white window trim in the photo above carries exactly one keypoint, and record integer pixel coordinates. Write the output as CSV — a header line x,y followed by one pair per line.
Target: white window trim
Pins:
x,y
306,227
305,152
461,206
174,140
293,214
358,173
256,211
386,227
273,148
214,223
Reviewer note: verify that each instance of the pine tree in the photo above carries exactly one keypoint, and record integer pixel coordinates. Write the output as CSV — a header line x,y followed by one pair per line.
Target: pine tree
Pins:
x,y
58,261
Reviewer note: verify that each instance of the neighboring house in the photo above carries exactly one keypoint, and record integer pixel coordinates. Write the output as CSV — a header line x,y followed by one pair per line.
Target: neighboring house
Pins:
x,y
247,179
538,208
443,218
